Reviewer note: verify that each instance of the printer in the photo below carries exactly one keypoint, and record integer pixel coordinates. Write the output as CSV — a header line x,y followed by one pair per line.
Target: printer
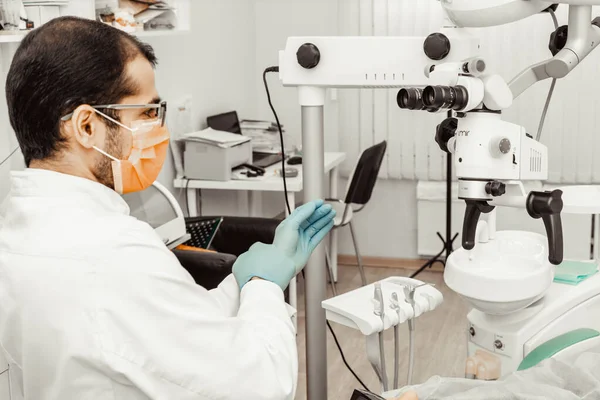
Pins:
x,y
212,155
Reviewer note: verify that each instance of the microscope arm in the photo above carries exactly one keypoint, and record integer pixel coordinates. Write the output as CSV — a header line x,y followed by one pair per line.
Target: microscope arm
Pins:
x,y
583,37
481,14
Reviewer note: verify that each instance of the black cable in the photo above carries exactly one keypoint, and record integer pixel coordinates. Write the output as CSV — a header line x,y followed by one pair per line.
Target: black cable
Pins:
x,y
187,200
344,358
337,343
276,69
9,156
551,90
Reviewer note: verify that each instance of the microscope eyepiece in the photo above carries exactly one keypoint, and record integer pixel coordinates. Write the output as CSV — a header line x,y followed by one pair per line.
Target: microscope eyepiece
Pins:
x,y
445,97
410,99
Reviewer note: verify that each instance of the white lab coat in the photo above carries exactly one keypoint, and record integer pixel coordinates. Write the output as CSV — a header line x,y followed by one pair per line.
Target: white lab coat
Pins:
x,y
94,306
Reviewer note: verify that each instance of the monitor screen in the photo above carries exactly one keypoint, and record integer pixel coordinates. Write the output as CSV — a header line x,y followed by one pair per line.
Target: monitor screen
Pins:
x,y
227,122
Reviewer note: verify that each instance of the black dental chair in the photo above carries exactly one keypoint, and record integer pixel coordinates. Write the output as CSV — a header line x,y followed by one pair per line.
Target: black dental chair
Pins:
x,y
158,207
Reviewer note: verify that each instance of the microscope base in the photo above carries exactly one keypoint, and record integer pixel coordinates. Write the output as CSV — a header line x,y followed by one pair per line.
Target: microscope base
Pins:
x,y
497,344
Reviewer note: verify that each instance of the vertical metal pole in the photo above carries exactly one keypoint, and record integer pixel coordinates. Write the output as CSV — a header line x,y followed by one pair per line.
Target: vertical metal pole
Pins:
x,y
315,279
292,289
333,236
448,204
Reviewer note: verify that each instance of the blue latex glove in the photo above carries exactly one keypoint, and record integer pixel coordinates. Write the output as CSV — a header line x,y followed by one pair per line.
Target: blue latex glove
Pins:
x,y
264,261
301,232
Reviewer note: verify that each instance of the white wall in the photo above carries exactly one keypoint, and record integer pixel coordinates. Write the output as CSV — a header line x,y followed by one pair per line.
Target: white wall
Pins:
x,y
387,227
214,63
8,141
276,20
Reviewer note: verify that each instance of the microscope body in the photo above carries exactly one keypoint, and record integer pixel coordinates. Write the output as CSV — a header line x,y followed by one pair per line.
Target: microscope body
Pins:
x,y
490,149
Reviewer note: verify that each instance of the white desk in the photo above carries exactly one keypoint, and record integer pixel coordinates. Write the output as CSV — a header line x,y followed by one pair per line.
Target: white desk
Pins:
x,y
270,182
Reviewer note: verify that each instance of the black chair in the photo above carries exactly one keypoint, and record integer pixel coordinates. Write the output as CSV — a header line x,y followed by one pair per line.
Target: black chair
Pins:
x,y
234,237
158,207
359,191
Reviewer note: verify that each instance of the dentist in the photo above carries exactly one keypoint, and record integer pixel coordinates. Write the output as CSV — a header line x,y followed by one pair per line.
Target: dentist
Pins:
x,y
92,304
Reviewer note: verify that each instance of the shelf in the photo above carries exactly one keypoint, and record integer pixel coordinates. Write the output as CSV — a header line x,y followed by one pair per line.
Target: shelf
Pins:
x,y
159,33
17,36
11,36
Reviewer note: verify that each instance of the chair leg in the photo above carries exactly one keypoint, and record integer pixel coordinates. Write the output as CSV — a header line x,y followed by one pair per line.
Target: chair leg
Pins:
x,y
330,273
358,257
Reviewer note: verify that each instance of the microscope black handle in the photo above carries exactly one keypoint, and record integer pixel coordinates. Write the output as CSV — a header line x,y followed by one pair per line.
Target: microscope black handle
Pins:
x,y
553,224
548,206
472,214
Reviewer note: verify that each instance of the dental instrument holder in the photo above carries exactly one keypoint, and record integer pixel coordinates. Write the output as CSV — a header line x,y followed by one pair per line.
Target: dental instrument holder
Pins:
x,y
355,309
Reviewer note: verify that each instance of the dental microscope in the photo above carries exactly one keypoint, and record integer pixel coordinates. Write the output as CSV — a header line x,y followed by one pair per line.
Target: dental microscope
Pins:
x,y
506,276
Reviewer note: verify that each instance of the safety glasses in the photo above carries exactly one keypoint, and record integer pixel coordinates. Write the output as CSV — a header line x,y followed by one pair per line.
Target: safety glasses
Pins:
x,y
155,111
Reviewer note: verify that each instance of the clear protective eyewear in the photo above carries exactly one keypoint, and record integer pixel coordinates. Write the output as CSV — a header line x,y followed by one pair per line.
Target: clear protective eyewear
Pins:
x,y
161,110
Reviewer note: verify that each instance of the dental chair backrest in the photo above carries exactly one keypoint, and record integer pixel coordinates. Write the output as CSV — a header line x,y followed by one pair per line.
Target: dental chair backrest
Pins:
x,y
159,208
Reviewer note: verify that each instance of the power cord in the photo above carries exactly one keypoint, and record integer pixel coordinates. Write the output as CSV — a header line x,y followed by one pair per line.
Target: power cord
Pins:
x,y
552,85
344,358
187,200
289,209
276,69
9,156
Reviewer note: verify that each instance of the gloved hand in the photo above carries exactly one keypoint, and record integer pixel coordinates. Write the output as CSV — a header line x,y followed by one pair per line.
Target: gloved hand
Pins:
x,y
301,232
264,261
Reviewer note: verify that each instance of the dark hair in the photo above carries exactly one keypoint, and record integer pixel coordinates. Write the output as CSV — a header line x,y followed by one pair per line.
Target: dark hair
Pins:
x,y
59,66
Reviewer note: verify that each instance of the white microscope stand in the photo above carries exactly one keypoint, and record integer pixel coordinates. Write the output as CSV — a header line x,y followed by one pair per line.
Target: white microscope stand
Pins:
x,y
512,337
563,308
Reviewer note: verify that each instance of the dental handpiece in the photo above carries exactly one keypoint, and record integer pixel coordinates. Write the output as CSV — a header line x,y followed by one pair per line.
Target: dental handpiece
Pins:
x,y
409,295
396,306
380,311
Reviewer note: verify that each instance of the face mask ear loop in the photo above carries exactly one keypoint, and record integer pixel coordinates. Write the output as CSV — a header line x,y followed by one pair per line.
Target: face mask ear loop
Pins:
x,y
105,153
114,120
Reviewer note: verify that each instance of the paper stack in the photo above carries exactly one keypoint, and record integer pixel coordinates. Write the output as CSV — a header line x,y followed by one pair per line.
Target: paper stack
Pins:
x,y
45,2
264,135
217,138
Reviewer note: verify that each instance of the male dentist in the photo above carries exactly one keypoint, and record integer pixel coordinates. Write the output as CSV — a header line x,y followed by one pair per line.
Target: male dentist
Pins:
x,y
92,304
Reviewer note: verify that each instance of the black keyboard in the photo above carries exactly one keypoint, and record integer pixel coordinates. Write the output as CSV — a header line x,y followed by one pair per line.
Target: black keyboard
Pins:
x,y
364,395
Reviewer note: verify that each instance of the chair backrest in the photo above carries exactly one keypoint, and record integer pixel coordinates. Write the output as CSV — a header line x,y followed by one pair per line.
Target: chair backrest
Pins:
x,y
365,175
159,208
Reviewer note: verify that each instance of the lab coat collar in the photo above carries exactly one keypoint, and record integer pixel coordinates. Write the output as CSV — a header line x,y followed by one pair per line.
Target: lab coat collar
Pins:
x,y
45,183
